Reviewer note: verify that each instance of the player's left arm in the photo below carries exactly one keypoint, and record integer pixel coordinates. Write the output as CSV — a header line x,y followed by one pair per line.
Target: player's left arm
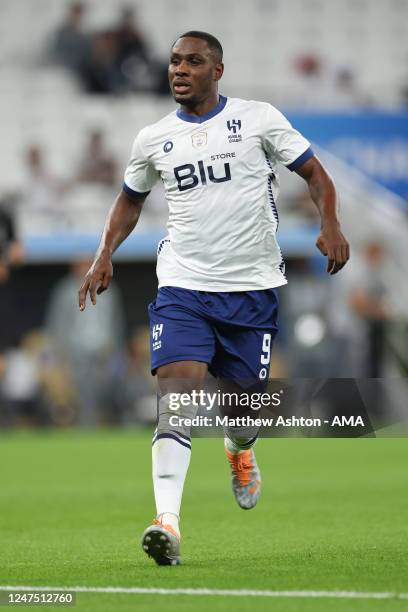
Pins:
x,y
330,241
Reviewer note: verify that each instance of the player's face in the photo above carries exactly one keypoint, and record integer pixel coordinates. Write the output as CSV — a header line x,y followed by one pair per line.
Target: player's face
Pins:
x,y
193,71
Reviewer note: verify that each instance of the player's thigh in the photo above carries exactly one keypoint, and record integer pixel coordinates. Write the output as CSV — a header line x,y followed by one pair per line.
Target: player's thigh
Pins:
x,y
181,376
183,369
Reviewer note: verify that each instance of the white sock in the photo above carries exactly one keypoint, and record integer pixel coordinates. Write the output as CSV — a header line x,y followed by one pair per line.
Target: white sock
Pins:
x,y
170,464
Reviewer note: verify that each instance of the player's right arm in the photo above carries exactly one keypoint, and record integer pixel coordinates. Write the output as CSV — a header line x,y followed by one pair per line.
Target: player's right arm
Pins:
x,y
121,221
140,176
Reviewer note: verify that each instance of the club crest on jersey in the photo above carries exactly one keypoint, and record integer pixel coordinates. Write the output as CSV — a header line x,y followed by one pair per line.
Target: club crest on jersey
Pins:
x,y
234,126
199,139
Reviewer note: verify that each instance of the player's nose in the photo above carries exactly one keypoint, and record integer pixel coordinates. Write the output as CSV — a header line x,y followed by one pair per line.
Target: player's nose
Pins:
x,y
181,69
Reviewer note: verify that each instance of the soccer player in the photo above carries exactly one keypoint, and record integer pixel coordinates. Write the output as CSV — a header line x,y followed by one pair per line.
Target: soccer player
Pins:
x,y
219,266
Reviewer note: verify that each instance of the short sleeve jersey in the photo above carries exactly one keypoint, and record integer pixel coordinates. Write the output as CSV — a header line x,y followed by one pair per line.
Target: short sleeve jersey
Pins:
x,y
220,176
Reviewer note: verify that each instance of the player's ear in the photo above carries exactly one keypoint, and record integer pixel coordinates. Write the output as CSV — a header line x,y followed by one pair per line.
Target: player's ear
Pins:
x,y
218,71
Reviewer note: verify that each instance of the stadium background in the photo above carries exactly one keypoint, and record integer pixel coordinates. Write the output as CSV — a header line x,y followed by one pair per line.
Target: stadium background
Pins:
x,y
75,499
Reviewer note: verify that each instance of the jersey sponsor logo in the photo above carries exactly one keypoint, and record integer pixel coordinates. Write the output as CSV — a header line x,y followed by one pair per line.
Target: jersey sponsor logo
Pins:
x,y
199,139
234,126
156,333
188,176
222,156
167,147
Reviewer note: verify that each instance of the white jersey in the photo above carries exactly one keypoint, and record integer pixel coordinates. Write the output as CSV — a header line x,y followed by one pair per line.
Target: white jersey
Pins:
x,y
221,184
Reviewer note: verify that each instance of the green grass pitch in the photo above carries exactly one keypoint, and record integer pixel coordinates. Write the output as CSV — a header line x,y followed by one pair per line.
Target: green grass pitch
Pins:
x,y
332,516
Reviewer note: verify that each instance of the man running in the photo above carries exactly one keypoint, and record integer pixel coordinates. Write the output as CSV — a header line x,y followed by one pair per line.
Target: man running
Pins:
x,y
220,265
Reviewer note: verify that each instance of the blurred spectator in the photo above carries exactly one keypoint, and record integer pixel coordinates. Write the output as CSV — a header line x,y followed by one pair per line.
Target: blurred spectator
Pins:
x,y
140,70
318,84
359,312
71,43
100,71
130,40
347,92
309,80
113,61
57,399
97,164
35,385
86,338
41,198
304,330
11,255
11,249
129,385
20,389
368,301
309,66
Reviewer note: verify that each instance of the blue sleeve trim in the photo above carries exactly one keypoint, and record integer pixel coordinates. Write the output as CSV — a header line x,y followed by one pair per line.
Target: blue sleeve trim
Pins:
x,y
301,160
136,195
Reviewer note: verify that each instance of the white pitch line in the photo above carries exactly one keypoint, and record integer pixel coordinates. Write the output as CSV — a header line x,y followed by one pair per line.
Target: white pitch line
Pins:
x,y
222,592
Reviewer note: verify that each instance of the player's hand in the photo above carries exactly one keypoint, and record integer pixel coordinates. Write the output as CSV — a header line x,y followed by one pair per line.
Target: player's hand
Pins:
x,y
334,246
96,280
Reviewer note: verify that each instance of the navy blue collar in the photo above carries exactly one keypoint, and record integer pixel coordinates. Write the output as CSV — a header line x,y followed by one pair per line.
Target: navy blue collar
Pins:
x,y
201,118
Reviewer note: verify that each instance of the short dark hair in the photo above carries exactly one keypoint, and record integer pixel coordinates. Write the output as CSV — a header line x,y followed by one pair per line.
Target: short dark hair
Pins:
x,y
213,43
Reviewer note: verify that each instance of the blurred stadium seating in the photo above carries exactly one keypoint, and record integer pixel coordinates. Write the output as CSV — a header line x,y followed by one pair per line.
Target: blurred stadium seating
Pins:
x,y
369,36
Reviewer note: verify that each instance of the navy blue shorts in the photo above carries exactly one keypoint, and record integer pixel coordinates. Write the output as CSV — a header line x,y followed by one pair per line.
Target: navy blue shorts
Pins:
x,y
232,332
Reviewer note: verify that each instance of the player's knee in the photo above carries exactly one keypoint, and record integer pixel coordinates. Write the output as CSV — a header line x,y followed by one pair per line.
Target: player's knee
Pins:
x,y
174,419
